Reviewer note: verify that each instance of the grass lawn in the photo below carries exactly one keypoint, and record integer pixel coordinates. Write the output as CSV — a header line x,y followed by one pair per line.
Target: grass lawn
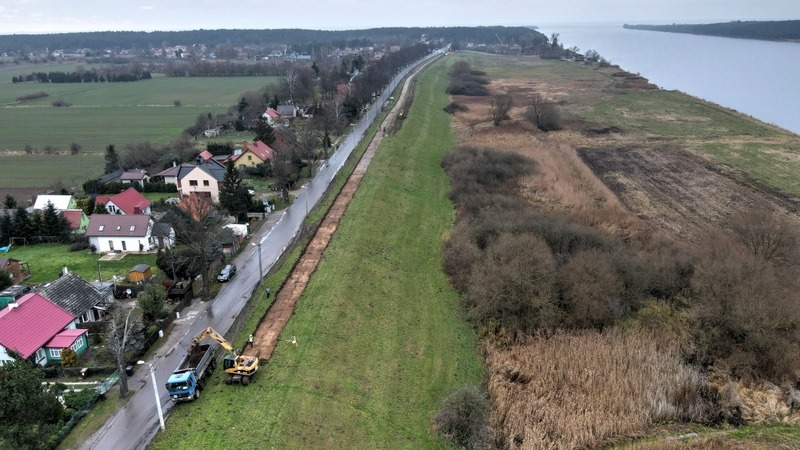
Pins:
x,y
380,339
46,260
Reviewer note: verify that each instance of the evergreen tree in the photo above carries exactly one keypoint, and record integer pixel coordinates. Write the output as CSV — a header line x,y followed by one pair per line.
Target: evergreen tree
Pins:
x,y
53,223
10,202
264,131
22,224
234,196
112,159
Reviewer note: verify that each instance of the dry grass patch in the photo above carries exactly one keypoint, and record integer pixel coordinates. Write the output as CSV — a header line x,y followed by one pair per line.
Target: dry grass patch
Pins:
x,y
583,389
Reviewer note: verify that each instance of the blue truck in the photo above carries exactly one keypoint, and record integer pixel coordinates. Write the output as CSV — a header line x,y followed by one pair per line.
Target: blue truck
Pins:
x,y
188,379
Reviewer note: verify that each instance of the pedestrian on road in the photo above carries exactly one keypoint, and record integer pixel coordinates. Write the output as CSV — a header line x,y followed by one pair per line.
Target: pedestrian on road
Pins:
x,y
250,341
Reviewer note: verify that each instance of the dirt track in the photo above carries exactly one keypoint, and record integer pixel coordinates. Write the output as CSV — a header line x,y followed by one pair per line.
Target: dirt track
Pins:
x,y
268,332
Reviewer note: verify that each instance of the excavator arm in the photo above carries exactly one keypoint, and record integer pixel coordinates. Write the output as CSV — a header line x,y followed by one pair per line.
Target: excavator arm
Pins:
x,y
213,334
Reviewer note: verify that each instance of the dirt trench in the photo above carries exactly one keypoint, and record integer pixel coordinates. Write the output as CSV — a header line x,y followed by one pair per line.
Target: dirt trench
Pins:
x,y
269,329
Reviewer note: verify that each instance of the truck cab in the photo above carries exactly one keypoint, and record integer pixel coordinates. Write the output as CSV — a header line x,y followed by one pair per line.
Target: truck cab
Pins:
x,y
183,386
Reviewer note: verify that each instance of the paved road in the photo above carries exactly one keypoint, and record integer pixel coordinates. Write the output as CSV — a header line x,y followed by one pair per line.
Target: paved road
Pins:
x,y
135,425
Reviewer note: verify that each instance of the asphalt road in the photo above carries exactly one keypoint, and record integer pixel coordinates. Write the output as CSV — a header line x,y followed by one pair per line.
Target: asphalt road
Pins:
x,y
135,425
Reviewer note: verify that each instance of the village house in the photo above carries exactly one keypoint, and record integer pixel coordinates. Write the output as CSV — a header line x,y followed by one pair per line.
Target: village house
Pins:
x,y
77,219
204,179
253,154
271,116
134,176
36,328
122,233
129,201
78,297
60,202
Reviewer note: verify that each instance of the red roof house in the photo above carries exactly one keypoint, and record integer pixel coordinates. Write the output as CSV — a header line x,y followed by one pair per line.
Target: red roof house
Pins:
x,y
77,220
29,324
129,202
253,154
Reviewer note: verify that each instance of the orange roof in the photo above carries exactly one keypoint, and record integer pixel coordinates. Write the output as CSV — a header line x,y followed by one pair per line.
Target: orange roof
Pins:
x,y
258,148
205,155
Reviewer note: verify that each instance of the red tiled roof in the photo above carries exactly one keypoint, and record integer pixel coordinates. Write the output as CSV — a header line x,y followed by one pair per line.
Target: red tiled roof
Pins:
x,y
73,216
102,199
130,201
35,320
258,148
272,113
65,338
205,155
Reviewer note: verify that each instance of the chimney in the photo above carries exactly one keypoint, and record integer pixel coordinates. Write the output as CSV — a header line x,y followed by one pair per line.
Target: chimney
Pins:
x,y
173,163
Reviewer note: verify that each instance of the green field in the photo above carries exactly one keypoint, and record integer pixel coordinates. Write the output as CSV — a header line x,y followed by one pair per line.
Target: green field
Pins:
x,y
381,341
113,113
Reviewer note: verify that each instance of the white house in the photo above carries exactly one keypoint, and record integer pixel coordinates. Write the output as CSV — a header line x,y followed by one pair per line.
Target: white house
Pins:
x,y
116,232
60,202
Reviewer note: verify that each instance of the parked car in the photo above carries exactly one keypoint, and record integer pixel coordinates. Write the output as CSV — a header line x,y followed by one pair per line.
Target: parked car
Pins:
x,y
227,273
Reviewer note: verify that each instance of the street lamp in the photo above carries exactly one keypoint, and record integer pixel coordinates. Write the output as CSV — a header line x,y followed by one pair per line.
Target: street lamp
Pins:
x,y
260,271
155,392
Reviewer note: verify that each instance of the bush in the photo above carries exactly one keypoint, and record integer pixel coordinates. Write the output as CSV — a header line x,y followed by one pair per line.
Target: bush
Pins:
x,y
454,107
591,291
29,97
77,399
543,113
79,244
61,103
462,418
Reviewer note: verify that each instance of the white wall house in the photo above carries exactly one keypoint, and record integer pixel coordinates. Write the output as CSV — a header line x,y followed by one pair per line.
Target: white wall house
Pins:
x,y
115,232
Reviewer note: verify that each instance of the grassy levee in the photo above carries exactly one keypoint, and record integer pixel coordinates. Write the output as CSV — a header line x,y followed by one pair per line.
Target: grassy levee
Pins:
x,y
380,337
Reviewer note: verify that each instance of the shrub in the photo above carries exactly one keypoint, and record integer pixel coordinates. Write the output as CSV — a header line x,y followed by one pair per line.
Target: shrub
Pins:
x,y
29,97
454,107
746,311
543,113
514,289
151,300
591,290
61,103
463,418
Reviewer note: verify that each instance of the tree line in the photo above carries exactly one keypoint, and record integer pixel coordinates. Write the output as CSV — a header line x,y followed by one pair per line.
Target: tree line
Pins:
x,y
778,30
87,76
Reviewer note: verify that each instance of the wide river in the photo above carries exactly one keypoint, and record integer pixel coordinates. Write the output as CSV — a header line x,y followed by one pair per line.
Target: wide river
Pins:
x,y
758,78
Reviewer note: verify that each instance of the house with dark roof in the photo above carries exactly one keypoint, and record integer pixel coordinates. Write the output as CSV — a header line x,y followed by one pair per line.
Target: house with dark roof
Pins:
x,y
120,233
129,201
135,176
204,179
78,297
170,174
36,328
113,176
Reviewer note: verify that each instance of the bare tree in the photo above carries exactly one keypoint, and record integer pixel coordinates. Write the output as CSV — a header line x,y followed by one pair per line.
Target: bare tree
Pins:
x,y
767,235
543,113
307,140
124,334
501,105
291,79
203,228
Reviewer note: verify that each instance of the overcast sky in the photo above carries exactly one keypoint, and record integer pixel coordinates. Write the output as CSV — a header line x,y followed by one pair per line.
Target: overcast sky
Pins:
x,y
42,16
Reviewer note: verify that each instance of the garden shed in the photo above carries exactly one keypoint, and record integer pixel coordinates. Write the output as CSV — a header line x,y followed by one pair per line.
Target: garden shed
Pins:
x,y
139,273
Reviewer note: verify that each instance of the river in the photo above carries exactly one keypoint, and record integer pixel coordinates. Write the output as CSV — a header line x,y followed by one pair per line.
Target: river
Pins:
x,y
757,78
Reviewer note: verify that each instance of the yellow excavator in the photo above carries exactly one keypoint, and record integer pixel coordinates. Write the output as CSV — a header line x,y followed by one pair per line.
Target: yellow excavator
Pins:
x,y
238,367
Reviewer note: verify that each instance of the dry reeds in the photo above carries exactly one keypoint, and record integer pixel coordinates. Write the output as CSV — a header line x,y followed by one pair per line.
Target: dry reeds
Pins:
x,y
582,389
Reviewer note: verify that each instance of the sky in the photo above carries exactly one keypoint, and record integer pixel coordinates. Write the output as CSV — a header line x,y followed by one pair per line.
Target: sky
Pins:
x,y
55,16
